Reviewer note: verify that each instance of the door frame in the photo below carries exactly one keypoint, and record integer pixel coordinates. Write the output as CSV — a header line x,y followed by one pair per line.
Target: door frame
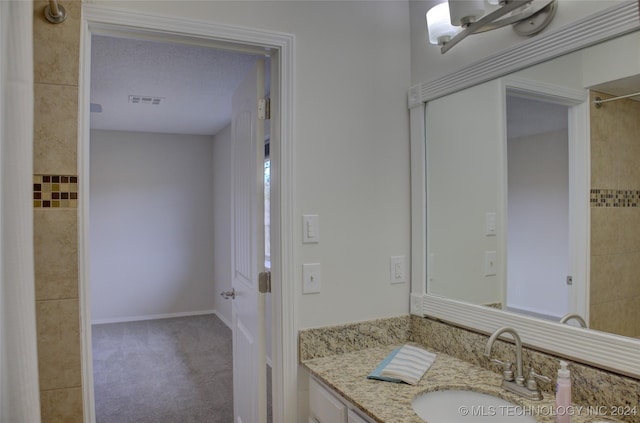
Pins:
x,y
576,100
105,21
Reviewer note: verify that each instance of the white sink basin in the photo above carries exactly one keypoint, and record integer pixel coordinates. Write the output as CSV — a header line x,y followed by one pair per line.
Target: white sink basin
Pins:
x,y
460,406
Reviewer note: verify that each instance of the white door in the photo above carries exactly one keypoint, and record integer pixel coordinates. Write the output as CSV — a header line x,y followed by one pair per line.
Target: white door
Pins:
x,y
249,358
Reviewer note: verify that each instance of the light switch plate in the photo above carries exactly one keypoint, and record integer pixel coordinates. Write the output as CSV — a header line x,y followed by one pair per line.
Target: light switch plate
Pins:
x,y
397,269
490,224
311,278
310,229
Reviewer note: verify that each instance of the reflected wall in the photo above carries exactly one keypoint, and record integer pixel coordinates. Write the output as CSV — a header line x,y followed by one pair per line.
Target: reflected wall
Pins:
x,y
615,217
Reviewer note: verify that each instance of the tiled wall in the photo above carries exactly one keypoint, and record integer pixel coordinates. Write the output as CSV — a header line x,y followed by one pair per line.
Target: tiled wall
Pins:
x,y
615,198
55,196
615,217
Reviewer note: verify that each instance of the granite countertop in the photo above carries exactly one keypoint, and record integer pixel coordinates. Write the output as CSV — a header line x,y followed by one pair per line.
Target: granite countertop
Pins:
x,y
387,402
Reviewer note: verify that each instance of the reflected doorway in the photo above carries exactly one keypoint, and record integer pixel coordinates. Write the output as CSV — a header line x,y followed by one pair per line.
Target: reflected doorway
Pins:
x,y
538,211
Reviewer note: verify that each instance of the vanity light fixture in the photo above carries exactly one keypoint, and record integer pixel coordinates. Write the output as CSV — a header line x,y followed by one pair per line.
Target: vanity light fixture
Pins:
x,y
450,22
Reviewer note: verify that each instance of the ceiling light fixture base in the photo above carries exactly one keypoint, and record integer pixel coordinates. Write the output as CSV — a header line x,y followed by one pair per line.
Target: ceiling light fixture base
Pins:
x,y
536,22
528,17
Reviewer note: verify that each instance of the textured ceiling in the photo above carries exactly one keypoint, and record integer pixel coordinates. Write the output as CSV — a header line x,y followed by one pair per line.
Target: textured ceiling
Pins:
x,y
195,85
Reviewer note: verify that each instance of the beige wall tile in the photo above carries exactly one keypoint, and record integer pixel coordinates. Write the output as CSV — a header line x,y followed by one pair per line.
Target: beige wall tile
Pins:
x,y
603,273
614,144
55,141
625,116
56,65
56,47
605,230
56,253
603,175
636,315
58,325
614,317
629,220
61,405
615,230
614,277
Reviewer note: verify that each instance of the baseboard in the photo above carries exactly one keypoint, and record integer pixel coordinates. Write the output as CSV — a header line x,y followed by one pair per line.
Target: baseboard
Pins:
x,y
152,317
225,321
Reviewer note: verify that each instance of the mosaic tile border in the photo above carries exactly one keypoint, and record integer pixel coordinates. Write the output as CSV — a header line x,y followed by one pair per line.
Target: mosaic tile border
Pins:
x,y
55,191
614,198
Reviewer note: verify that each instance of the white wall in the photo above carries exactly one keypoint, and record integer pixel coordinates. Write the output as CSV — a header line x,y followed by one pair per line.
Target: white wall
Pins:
x,y
622,56
351,142
222,221
605,62
428,63
151,233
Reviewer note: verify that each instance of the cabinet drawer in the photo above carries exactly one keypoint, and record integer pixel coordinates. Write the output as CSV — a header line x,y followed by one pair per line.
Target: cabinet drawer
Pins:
x,y
324,406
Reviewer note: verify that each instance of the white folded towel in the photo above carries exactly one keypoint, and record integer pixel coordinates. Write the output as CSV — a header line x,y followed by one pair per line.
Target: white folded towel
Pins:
x,y
409,364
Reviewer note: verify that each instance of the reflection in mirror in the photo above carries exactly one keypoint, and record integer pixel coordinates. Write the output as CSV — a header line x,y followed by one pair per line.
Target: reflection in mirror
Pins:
x,y
574,316
463,188
615,213
499,192
537,248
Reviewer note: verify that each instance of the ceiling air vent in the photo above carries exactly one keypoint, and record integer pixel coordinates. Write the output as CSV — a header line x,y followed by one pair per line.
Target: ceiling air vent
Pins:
x,y
142,99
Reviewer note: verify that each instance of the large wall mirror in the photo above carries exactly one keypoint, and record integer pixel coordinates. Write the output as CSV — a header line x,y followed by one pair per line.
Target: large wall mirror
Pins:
x,y
532,192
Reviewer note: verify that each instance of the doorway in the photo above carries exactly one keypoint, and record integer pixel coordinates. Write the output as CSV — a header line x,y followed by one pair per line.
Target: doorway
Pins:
x,y
101,22
538,207
546,198
156,224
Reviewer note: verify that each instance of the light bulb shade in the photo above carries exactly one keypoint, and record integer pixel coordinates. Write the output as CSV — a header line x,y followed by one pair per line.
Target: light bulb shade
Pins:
x,y
464,12
439,24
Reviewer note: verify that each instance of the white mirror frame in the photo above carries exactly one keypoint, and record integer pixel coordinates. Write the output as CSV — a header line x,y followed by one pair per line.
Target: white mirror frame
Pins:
x,y
600,349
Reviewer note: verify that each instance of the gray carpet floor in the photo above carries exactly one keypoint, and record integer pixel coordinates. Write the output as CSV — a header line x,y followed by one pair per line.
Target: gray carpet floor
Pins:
x,y
163,371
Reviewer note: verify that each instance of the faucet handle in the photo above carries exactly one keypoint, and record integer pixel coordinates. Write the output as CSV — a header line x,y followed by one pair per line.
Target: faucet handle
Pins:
x,y
532,383
507,371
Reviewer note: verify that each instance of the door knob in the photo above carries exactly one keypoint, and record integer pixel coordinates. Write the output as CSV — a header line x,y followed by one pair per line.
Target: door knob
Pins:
x,y
229,294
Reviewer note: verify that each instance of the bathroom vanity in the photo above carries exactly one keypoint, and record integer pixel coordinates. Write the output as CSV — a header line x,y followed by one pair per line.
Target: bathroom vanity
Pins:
x,y
339,358
382,401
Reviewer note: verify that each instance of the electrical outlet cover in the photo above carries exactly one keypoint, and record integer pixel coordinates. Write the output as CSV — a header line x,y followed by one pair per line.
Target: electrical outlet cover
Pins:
x,y
490,263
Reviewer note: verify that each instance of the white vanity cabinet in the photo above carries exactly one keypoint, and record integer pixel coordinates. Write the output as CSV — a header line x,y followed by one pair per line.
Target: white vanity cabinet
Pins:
x,y
353,417
327,406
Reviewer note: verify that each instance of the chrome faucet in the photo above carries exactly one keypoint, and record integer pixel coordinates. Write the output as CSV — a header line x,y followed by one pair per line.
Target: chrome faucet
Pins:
x,y
527,388
487,351
575,317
